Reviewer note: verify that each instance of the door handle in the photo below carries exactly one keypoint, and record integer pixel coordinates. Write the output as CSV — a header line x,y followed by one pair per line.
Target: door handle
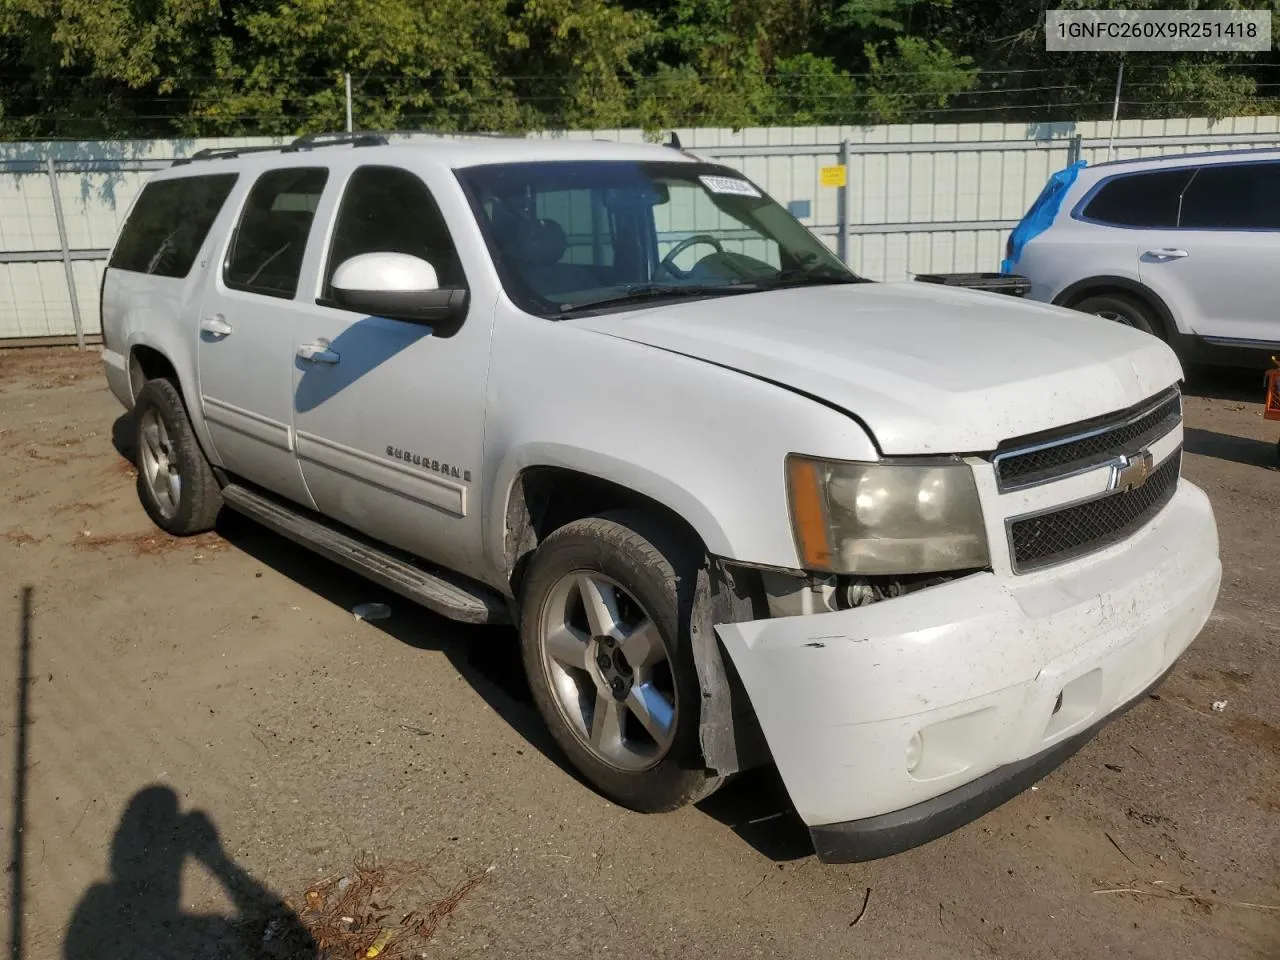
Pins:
x,y
1168,253
216,326
317,353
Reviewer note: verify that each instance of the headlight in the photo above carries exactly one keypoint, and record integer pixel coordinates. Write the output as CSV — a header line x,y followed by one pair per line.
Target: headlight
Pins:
x,y
885,518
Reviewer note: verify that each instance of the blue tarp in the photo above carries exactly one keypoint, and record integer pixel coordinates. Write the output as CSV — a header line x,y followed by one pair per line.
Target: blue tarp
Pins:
x,y
1041,215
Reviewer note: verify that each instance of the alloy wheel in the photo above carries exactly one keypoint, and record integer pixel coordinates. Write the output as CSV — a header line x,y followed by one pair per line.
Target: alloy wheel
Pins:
x,y
159,463
609,670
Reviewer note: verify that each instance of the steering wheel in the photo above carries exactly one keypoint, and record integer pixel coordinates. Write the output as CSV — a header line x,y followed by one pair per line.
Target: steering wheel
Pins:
x,y
668,262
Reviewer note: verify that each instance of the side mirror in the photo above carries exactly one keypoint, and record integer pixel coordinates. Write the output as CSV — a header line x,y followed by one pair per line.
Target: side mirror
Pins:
x,y
395,285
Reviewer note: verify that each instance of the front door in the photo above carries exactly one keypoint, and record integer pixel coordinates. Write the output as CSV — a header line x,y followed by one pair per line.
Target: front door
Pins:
x,y
247,323
389,414
1221,266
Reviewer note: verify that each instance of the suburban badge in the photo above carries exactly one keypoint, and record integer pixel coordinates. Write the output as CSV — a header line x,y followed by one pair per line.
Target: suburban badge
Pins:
x,y
435,466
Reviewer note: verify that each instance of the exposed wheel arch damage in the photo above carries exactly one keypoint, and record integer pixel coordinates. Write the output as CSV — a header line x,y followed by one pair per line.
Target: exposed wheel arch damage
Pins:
x,y
544,498
148,363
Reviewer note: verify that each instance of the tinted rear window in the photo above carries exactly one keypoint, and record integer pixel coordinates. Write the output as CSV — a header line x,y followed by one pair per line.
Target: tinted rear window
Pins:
x,y
1237,196
168,224
266,255
1140,199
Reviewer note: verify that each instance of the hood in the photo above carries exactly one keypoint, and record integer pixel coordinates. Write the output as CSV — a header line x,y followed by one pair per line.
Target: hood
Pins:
x,y
928,368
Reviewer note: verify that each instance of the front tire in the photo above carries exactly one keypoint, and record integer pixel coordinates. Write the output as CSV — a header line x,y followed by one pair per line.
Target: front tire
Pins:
x,y
605,635
1121,309
175,482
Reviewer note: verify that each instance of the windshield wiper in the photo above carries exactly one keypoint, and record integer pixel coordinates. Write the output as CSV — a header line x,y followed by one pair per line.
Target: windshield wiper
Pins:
x,y
657,291
793,277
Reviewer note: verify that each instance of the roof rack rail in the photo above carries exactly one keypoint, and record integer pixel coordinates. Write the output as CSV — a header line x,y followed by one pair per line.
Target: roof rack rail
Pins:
x,y
361,139
307,141
226,153
458,134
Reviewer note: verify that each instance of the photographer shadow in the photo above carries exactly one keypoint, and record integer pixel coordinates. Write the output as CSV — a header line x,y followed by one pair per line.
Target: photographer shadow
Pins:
x,y
137,913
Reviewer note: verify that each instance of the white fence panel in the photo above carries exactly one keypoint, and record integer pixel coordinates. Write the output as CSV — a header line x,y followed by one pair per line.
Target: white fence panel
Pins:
x,y
920,198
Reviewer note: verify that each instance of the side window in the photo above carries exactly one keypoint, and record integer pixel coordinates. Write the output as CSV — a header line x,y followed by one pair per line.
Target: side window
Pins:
x,y
1140,199
168,224
389,210
271,238
1237,196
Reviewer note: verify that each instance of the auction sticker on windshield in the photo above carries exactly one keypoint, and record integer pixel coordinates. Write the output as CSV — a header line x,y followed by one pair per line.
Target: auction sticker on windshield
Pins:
x,y
730,185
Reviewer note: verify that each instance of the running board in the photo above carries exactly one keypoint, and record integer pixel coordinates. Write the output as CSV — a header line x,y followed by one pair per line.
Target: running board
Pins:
x,y
447,594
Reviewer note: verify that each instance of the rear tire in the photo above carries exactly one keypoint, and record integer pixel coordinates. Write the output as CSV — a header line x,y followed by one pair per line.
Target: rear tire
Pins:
x,y
605,633
1121,309
175,482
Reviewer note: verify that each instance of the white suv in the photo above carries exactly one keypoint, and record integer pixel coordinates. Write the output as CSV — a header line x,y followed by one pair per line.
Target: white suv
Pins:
x,y
1184,247
910,543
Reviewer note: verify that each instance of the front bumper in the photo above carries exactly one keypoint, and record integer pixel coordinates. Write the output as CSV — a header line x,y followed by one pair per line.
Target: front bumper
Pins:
x,y
871,838
986,683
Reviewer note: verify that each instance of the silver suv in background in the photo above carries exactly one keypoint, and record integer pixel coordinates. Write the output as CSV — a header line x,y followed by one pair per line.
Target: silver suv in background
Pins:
x,y
1184,247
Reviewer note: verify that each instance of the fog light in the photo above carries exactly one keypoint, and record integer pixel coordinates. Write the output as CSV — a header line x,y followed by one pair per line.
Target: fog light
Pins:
x,y
914,748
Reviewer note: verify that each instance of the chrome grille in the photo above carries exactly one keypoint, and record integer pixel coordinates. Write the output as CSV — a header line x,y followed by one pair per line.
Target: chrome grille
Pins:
x,y
1030,461
1064,533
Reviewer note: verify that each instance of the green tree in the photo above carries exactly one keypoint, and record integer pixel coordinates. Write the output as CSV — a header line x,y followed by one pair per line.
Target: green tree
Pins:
x,y
280,68
117,68
913,77
573,58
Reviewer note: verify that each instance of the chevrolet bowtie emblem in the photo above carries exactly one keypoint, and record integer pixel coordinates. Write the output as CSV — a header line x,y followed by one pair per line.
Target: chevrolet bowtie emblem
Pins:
x,y
1130,471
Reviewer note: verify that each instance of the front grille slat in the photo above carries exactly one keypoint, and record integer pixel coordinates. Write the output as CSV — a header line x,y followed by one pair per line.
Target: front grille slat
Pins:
x,y
1030,464
1065,533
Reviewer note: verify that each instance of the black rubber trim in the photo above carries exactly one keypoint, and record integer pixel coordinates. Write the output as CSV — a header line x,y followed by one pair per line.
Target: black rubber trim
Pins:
x,y
856,841
413,306
1251,354
1190,348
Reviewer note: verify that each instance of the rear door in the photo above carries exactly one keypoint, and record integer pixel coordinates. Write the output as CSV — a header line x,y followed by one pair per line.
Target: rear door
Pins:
x,y
247,324
1219,269
150,283
1126,212
1108,234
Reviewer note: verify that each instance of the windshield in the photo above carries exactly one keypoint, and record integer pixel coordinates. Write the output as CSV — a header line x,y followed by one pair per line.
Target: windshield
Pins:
x,y
572,237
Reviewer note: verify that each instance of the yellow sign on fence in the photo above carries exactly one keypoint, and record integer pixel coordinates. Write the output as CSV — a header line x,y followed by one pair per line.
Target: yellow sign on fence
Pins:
x,y
832,176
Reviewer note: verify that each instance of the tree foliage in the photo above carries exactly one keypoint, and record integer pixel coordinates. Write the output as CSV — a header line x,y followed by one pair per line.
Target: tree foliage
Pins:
x,y
112,68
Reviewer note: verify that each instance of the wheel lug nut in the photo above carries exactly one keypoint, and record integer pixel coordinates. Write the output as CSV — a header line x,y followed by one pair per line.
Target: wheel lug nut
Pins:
x,y
618,685
604,661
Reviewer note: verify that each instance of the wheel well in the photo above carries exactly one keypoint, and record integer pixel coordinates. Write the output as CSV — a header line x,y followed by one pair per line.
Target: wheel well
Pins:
x,y
544,499
1119,286
147,363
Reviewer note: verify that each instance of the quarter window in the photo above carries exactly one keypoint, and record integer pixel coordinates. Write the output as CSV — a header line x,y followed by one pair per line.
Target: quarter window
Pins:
x,y
1140,199
1236,196
169,223
266,254
389,210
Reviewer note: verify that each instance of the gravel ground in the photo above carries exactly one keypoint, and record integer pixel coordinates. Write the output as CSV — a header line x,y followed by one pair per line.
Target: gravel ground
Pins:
x,y
209,726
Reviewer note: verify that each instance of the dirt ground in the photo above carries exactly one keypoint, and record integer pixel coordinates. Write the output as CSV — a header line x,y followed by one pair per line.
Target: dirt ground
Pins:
x,y
225,675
